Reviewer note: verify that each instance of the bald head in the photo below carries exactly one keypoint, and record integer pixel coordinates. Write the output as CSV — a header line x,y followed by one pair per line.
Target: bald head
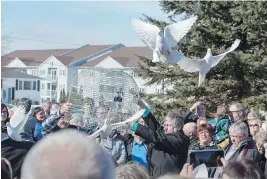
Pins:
x,y
190,129
67,154
237,112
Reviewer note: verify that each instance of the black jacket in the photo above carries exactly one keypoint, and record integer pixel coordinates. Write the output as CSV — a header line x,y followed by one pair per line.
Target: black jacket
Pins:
x,y
15,152
167,153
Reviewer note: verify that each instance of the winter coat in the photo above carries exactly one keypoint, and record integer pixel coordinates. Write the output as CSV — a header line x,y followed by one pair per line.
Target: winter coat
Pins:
x,y
32,130
167,153
15,152
245,150
116,148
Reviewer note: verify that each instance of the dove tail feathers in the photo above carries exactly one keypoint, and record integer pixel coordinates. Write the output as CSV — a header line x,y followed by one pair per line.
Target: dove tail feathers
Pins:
x,y
201,78
155,57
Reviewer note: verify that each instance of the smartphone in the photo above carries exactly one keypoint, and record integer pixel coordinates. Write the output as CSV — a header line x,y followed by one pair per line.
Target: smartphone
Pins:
x,y
209,157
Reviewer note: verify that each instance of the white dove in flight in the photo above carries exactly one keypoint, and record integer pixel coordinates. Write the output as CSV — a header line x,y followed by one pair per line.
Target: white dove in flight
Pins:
x,y
17,123
163,44
204,65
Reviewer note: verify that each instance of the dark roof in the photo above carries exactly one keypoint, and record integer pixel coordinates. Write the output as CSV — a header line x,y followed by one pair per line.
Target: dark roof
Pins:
x,y
66,56
126,56
32,57
85,51
11,73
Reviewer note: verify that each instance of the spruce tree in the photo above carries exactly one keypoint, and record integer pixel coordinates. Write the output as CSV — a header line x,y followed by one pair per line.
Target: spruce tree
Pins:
x,y
240,77
64,97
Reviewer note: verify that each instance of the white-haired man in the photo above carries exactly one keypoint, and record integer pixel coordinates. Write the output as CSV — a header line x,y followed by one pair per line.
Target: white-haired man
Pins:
x,y
168,145
241,145
190,129
58,156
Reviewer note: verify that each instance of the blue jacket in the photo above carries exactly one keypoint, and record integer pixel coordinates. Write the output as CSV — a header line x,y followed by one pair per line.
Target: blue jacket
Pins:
x,y
32,130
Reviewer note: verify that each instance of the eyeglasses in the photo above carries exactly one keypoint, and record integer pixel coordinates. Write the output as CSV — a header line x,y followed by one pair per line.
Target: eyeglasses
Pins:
x,y
253,125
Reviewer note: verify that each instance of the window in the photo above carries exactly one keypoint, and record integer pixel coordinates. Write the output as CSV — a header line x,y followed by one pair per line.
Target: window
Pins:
x,y
33,72
27,85
20,85
63,72
43,86
54,87
34,85
48,86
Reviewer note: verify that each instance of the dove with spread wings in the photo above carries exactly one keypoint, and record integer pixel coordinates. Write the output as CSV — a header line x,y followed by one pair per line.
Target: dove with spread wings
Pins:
x,y
17,123
163,44
204,65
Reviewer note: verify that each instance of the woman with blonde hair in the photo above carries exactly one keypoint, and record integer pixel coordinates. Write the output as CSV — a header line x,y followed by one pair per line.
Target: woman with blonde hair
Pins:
x,y
254,126
260,139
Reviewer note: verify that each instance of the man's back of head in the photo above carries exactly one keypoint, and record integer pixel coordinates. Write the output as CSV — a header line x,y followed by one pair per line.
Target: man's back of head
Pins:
x,y
190,129
67,154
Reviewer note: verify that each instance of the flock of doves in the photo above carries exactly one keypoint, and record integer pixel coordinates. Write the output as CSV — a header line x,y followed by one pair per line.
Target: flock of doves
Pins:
x,y
163,45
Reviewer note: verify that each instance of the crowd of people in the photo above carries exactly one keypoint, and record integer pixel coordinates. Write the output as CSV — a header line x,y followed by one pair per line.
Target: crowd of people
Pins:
x,y
149,150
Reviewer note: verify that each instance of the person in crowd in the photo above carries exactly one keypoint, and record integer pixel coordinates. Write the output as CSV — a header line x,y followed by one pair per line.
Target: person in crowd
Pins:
x,y
4,119
168,145
55,107
260,139
204,133
201,121
32,130
77,120
237,112
205,142
59,156
13,151
132,171
254,126
118,98
190,130
220,125
197,111
241,145
115,147
243,169
47,106
56,122
137,149
252,115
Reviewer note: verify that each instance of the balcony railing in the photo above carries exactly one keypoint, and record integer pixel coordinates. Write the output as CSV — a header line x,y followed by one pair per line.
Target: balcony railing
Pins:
x,y
51,78
52,93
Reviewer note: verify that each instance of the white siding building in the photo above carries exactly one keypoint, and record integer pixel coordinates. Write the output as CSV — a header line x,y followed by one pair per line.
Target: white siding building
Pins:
x,y
59,67
17,85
